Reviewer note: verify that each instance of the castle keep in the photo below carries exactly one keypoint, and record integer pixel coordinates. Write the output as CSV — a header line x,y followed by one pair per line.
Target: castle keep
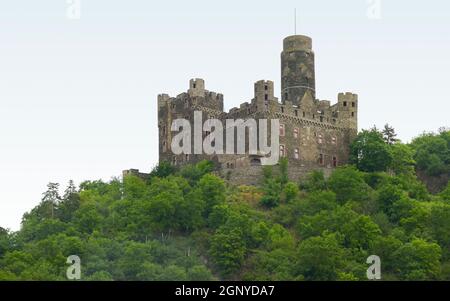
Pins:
x,y
313,133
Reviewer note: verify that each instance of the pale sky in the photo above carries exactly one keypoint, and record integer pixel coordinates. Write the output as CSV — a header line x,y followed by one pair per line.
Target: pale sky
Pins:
x,y
78,97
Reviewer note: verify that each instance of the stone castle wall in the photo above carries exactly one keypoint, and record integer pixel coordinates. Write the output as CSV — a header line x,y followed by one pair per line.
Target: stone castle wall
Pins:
x,y
313,134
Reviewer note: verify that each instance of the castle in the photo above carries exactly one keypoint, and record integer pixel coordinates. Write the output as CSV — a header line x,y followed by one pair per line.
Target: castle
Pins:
x,y
313,133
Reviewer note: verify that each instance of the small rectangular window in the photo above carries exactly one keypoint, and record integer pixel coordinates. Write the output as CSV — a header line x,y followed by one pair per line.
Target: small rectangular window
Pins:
x,y
345,103
282,130
282,151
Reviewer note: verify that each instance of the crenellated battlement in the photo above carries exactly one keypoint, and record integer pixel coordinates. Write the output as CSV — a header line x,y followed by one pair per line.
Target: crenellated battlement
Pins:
x,y
313,133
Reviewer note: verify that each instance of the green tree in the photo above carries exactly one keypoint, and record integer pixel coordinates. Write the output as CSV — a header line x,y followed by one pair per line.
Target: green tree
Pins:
x,y
284,176
69,203
369,152
193,173
432,153
389,135
348,184
51,198
199,273
320,258
439,223
212,191
418,260
290,192
402,159
315,181
445,194
228,251
163,170
272,192
5,243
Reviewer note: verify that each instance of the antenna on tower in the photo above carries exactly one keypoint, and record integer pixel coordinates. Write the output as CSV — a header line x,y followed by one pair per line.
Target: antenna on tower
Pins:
x,y
295,21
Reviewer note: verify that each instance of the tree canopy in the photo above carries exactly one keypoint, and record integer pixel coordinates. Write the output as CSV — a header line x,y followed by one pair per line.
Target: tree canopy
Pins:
x,y
190,224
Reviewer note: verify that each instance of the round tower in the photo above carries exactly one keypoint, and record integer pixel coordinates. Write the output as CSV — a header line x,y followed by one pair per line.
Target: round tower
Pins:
x,y
297,69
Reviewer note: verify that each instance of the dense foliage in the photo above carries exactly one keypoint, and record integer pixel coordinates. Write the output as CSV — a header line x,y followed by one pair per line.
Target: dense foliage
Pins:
x,y
189,224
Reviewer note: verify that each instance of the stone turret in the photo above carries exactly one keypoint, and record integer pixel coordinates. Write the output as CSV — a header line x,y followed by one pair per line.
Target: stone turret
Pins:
x,y
297,69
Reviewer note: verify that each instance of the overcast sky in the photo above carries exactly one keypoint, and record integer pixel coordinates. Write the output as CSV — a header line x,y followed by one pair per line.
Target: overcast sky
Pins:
x,y
78,96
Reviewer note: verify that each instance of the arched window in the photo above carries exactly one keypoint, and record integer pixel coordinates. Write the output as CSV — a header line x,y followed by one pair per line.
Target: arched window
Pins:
x,y
255,162
296,133
297,154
